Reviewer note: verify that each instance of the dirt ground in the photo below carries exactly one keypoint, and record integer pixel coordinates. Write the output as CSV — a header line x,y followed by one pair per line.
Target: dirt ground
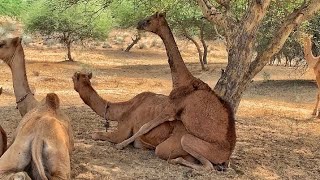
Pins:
x,y
277,136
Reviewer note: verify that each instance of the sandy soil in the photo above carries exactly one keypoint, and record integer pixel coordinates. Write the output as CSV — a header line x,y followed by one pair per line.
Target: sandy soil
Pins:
x,y
277,136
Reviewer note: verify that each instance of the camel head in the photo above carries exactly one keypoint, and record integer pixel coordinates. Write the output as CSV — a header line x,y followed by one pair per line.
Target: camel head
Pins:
x,y
152,23
8,48
81,79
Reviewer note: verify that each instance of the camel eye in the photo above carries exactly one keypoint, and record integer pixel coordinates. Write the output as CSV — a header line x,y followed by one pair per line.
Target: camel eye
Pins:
x,y
2,45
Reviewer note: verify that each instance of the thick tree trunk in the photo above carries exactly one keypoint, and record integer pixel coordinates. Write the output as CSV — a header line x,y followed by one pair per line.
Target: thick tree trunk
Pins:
x,y
134,41
189,37
242,66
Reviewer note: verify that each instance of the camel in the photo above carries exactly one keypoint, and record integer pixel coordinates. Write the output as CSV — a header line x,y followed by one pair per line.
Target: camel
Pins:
x,y
11,52
314,63
32,130
208,119
43,140
131,115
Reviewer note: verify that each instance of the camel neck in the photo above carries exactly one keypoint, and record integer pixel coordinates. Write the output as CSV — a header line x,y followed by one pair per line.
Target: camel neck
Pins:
x,y
20,83
180,73
93,100
307,49
114,111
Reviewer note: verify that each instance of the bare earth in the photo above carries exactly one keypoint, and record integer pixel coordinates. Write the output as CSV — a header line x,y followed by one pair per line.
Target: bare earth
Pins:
x,y
277,136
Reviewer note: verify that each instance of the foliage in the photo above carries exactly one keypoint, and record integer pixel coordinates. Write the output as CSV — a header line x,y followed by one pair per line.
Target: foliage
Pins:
x,y
12,8
313,28
69,23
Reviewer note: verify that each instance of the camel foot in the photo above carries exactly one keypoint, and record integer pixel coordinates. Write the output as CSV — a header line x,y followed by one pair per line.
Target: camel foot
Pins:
x,y
97,136
120,146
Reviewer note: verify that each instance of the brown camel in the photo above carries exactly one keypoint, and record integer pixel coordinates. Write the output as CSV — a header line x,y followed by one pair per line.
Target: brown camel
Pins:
x,y
314,63
208,119
44,130
131,115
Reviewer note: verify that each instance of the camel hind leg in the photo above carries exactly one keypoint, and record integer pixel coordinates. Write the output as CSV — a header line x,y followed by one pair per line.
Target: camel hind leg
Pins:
x,y
16,158
145,129
206,153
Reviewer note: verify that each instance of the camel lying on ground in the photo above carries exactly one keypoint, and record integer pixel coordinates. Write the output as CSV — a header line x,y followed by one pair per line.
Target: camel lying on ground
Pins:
x,y
209,120
44,130
131,115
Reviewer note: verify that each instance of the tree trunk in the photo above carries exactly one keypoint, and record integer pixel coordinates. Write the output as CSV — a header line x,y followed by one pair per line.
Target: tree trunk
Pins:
x,y
187,35
241,37
69,51
134,41
204,45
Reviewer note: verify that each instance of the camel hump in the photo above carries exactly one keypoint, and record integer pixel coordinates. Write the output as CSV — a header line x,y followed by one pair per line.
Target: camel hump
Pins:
x,y
52,100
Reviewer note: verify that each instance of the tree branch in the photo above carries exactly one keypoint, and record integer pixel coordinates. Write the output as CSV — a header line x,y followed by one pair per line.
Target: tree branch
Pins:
x,y
224,3
292,21
255,14
212,14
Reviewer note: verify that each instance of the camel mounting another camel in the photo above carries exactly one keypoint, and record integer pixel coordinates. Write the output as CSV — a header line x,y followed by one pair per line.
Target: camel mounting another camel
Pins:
x,y
131,115
209,120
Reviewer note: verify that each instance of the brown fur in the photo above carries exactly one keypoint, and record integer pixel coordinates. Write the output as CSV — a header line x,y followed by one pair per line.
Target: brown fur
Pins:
x,y
49,135
208,119
133,114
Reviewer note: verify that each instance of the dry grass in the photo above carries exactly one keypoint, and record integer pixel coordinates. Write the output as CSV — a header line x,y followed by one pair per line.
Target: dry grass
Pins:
x,y
277,137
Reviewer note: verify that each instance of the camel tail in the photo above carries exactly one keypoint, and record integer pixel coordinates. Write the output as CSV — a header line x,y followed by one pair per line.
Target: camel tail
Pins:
x,y
4,140
52,100
37,149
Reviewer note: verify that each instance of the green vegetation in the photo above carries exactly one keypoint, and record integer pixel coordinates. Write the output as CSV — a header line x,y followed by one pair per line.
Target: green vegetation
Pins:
x,y
77,22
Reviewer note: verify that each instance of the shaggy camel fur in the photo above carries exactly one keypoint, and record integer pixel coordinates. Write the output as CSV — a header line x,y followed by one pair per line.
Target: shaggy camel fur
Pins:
x,y
131,115
314,63
208,119
38,123
43,139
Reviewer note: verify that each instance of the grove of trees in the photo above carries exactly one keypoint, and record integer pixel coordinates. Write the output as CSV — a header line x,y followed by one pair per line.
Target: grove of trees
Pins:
x,y
255,30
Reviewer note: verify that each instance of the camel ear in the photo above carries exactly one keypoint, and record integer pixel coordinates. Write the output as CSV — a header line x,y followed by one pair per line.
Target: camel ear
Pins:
x,y
162,14
78,75
90,75
16,41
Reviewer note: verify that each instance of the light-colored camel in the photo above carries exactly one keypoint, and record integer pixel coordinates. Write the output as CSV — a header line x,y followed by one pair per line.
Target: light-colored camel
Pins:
x,y
313,63
11,52
208,119
131,115
43,140
44,127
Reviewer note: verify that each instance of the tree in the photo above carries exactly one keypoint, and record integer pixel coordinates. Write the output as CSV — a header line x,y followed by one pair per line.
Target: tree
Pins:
x,y
241,31
12,7
68,23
